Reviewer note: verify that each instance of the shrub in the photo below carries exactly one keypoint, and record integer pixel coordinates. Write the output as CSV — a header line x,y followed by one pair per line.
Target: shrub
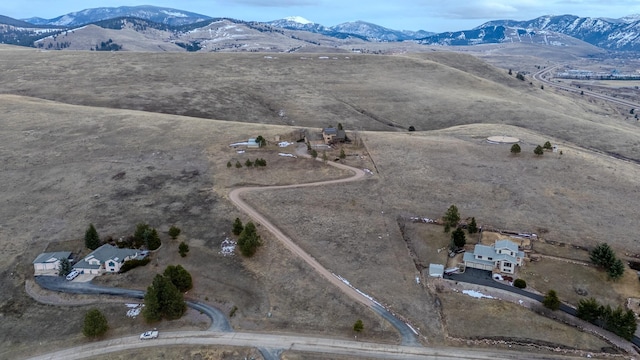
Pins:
x,y
174,231
133,263
520,284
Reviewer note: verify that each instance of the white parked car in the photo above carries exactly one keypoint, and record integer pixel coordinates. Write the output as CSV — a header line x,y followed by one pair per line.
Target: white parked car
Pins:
x,y
147,335
73,274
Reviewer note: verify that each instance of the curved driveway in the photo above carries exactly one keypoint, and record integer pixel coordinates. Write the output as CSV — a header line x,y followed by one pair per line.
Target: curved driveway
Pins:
x,y
218,321
406,332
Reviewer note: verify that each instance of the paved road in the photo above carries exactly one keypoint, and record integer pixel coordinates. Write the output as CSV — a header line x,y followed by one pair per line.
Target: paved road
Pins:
x,y
348,349
408,335
544,74
218,321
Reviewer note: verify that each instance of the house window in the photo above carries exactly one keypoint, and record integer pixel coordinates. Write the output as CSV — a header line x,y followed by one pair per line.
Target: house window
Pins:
x,y
507,264
490,259
479,256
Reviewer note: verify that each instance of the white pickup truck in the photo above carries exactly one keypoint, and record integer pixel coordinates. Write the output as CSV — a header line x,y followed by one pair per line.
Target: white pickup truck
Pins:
x,y
147,335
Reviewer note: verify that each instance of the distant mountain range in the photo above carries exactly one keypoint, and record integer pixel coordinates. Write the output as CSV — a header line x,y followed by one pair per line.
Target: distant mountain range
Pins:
x,y
611,34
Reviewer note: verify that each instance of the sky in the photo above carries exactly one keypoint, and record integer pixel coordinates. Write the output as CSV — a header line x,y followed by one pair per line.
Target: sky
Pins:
x,y
429,15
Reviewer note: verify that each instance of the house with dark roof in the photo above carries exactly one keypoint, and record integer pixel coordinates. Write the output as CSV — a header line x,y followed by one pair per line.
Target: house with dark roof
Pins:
x,y
49,263
333,135
502,256
106,259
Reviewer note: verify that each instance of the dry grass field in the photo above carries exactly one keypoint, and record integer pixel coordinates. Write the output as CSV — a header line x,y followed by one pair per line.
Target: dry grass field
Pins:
x,y
60,161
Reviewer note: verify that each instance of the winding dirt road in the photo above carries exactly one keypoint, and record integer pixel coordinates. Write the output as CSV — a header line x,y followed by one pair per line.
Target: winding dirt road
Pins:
x,y
408,333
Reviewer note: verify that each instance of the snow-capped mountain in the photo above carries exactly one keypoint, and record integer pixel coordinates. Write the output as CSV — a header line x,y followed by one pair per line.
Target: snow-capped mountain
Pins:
x,y
360,29
612,34
160,15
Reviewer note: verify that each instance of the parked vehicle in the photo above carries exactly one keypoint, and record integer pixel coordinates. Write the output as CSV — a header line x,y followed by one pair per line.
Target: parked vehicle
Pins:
x,y
147,335
72,275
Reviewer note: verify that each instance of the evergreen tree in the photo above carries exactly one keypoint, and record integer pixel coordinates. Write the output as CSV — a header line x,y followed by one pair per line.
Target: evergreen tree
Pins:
x,y
65,267
588,310
228,164
472,228
451,218
547,145
538,150
163,300
183,249
261,141
249,240
520,283
515,149
179,277
314,153
551,300
342,154
458,238
238,165
248,163
358,326
91,238
174,231
602,255
340,126
95,324
237,227
324,157
616,270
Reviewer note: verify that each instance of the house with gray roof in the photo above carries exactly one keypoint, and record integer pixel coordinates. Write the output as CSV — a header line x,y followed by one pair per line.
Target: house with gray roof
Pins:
x,y
503,256
49,263
105,259
332,135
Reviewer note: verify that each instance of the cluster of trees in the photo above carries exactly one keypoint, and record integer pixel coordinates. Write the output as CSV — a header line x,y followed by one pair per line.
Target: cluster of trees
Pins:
x,y
108,45
248,238
164,299
257,163
539,150
146,235
619,321
604,257
451,219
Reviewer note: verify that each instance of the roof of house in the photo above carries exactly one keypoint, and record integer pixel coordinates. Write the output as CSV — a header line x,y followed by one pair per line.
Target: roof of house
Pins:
x,y
50,257
506,244
468,257
484,251
85,265
110,252
330,131
436,269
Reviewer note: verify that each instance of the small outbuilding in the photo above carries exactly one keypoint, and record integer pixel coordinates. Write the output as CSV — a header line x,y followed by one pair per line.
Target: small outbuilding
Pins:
x,y
436,270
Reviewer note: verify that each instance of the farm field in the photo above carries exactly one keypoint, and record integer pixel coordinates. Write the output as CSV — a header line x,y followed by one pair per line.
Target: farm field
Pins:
x,y
74,154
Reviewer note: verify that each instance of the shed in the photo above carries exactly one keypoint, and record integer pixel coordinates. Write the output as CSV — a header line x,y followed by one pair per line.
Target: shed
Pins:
x,y
436,270
252,143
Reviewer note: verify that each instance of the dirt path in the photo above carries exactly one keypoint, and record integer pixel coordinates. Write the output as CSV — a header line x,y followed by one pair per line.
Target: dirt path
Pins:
x,y
408,334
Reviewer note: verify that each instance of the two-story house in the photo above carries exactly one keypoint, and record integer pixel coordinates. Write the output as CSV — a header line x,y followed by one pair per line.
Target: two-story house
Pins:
x,y
503,256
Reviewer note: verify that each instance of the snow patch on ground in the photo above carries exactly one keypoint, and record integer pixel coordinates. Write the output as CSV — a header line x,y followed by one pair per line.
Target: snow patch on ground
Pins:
x,y
284,144
477,294
134,310
228,247
287,155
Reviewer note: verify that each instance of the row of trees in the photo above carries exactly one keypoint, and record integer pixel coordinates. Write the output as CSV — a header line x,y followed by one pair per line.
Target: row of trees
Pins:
x,y
451,219
539,150
144,235
619,321
257,163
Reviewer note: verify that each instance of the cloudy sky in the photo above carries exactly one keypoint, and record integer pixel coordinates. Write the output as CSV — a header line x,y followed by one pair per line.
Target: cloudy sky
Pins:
x,y
430,15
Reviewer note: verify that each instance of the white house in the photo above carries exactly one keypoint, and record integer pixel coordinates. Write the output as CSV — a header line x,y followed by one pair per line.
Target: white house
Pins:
x,y
503,256
105,259
49,263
